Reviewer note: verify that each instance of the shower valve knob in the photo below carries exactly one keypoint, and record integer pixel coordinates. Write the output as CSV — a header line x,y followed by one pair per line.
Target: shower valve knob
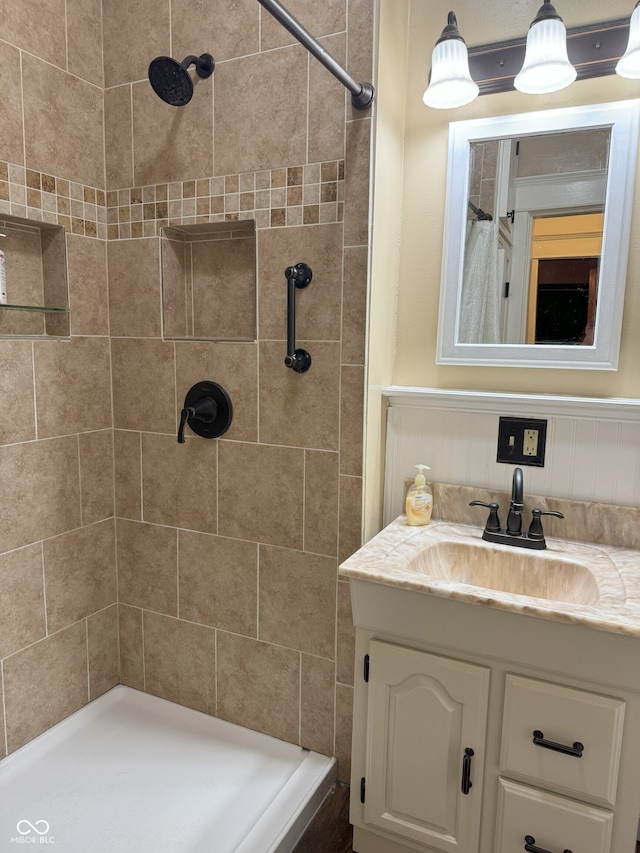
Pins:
x,y
207,410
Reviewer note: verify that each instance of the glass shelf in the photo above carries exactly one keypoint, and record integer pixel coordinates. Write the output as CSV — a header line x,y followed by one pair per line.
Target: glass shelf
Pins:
x,y
45,309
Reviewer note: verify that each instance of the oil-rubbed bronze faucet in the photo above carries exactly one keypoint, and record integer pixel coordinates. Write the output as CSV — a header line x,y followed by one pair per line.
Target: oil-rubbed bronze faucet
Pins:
x,y
513,534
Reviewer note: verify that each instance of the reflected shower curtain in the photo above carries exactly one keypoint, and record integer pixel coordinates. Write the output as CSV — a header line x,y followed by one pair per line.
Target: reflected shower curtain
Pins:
x,y
479,321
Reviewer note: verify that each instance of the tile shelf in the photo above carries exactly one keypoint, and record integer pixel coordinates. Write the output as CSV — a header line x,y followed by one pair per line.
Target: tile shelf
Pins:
x,y
36,279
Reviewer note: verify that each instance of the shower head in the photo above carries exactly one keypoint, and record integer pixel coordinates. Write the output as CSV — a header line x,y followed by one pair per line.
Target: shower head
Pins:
x,y
172,82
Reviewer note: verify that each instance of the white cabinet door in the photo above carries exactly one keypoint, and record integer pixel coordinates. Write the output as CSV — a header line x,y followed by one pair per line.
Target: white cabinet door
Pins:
x,y
426,725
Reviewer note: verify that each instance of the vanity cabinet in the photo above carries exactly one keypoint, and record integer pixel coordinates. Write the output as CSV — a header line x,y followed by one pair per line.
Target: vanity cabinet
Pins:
x,y
426,724
438,677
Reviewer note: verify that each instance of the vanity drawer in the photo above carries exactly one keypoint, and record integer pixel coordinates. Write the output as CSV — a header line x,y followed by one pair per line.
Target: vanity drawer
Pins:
x,y
548,822
563,716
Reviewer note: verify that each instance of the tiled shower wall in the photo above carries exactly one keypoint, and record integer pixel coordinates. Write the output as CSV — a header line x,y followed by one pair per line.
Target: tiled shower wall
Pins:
x,y
58,582
227,550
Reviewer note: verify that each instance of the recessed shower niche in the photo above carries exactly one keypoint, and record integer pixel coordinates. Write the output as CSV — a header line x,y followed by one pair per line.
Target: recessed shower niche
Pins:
x,y
209,281
34,285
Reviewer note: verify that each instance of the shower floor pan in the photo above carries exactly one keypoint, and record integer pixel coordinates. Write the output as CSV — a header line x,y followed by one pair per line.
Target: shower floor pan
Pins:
x,y
132,772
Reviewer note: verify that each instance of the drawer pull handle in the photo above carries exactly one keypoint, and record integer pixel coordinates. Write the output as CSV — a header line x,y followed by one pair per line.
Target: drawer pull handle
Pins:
x,y
530,846
576,750
466,770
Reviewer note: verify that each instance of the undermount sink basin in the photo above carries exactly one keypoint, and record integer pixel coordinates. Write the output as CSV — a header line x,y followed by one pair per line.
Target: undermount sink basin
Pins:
x,y
512,570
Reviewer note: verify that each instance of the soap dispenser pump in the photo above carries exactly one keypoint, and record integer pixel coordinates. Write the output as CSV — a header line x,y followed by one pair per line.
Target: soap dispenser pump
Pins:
x,y
419,501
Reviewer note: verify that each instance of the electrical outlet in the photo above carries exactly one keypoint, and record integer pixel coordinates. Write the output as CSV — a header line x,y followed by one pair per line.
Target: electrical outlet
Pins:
x,y
530,443
521,441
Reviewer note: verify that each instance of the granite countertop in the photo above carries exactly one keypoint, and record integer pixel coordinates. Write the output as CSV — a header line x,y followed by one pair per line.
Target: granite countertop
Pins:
x,y
600,582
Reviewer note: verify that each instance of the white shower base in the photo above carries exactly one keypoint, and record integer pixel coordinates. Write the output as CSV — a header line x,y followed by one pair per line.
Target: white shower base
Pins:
x,y
132,772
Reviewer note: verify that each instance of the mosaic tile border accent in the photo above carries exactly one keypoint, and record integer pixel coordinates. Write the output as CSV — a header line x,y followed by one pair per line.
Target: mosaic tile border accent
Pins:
x,y
41,197
297,195
275,198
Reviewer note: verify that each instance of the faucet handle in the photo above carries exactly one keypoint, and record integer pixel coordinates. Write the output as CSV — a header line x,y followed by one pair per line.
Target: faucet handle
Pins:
x,y
535,529
493,522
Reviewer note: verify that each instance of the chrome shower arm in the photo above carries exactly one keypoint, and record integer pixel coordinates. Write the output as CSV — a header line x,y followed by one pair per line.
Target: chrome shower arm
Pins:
x,y
362,94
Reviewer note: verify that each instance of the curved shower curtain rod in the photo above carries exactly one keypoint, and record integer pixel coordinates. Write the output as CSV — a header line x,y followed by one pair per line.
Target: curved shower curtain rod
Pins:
x,y
362,94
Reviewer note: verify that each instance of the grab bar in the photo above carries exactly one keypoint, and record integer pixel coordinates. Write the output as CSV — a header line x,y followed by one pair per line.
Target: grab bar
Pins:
x,y
297,276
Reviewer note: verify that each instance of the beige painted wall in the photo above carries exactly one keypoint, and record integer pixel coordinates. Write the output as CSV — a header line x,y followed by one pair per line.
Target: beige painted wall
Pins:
x,y
425,155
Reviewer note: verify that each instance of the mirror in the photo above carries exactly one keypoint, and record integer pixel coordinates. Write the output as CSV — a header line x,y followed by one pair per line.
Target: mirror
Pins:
x,y
537,224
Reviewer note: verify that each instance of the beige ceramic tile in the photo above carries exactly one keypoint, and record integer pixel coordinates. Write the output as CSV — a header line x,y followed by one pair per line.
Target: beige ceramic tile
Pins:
x,y
88,294
42,490
70,143
104,669
327,105
318,304
212,26
11,128
180,662
346,636
317,692
179,482
134,288
144,396
351,420
84,39
47,39
259,493
147,566
224,288
318,18
261,86
360,23
96,475
134,33
356,172
218,582
354,305
171,144
300,409
73,386
80,575
128,474
3,749
273,703
131,652
118,129
235,367
22,617
321,502
45,683
344,722
298,600
350,533
17,413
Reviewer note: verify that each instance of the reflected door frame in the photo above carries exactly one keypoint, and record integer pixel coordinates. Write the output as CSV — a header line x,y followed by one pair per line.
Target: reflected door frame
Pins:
x,y
564,237
557,195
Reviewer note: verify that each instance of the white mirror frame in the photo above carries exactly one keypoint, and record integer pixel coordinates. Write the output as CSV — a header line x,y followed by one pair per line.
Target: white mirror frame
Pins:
x,y
623,119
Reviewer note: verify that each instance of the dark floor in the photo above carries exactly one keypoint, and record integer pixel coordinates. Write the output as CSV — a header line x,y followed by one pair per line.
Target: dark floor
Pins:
x,y
330,830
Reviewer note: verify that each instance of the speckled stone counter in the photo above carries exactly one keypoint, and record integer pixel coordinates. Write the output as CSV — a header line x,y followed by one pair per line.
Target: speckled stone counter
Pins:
x,y
602,579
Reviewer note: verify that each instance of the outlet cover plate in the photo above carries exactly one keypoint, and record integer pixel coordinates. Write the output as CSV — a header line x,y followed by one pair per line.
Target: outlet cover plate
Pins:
x,y
511,441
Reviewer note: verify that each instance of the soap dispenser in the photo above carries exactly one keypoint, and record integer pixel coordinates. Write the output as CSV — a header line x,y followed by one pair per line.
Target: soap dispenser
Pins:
x,y
419,501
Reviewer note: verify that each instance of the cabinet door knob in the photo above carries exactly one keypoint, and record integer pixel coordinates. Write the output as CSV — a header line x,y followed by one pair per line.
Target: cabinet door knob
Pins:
x,y
530,846
576,750
466,770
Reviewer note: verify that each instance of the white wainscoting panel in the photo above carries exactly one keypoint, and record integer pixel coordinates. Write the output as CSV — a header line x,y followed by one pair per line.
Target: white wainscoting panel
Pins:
x,y
592,450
